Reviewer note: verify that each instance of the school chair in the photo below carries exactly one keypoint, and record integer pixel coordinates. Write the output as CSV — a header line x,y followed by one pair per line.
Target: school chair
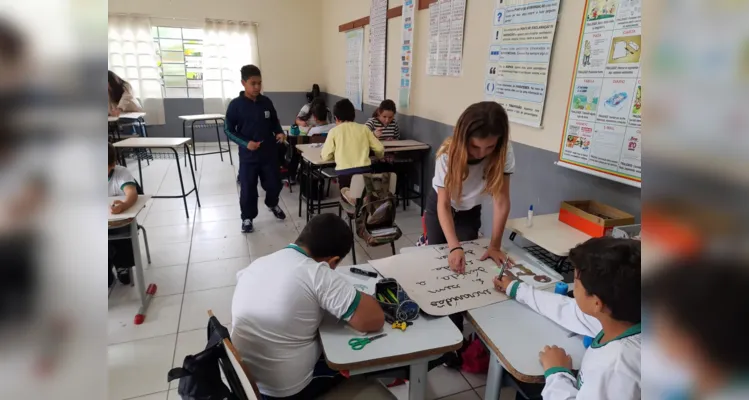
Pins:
x,y
352,202
117,236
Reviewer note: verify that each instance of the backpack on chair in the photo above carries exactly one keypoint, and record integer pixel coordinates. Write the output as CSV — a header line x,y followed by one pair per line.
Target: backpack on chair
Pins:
x,y
200,374
375,222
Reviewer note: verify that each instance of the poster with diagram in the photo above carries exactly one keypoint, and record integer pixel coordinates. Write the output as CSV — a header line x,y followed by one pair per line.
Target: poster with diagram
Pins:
x,y
602,131
354,50
518,57
446,27
407,48
378,29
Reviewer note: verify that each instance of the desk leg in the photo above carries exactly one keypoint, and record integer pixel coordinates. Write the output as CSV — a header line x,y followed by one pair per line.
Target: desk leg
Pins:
x,y
310,171
181,183
417,381
493,378
421,188
140,172
195,146
192,171
146,294
184,134
301,176
218,141
228,144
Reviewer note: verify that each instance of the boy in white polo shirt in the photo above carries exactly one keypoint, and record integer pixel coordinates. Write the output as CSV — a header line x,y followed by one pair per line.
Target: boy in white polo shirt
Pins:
x,y
606,306
280,301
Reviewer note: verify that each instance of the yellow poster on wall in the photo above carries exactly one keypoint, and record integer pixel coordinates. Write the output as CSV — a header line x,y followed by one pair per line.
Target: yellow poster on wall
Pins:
x,y
602,132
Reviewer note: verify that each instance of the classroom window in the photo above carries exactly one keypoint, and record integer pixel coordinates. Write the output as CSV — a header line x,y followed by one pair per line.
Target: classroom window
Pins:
x,y
179,54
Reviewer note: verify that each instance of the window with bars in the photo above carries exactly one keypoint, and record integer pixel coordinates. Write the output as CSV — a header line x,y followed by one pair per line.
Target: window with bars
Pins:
x,y
179,55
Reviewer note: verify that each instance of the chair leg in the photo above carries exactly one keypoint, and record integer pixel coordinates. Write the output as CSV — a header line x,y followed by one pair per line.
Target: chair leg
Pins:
x,y
353,244
145,239
392,246
339,210
132,277
327,192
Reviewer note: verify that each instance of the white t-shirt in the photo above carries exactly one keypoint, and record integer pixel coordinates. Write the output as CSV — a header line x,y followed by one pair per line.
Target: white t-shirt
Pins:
x,y
320,130
473,187
609,371
120,178
278,305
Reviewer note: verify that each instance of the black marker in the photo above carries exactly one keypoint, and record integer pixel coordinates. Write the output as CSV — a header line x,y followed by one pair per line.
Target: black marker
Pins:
x,y
362,272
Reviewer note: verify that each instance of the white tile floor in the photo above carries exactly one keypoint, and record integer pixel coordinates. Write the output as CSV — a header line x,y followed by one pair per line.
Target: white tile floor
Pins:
x,y
194,262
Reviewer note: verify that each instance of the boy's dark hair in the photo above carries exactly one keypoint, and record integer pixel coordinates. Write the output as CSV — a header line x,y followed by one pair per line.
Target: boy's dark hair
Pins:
x,y
386,105
706,298
112,154
319,111
248,71
610,269
326,235
344,111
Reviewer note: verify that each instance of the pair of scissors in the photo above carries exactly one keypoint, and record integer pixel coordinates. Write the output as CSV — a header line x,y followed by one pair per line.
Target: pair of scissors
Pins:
x,y
359,343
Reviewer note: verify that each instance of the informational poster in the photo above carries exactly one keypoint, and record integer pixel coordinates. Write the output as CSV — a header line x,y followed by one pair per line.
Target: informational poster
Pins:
x,y
446,26
407,48
517,71
434,37
428,280
602,132
378,30
354,50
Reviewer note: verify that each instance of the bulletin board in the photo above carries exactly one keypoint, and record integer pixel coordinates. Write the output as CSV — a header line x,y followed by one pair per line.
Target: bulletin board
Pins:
x,y
602,131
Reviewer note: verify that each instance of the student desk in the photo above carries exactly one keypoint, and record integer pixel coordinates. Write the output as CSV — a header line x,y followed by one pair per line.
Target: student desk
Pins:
x,y
113,127
165,143
549,234
129,218
192,119
311,161
426,340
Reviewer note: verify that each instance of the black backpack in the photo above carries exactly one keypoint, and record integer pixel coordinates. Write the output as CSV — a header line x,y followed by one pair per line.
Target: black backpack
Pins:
x,y
200,374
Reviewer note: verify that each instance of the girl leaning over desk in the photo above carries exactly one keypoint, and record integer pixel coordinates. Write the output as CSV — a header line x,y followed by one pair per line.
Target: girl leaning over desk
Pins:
x,y
472,165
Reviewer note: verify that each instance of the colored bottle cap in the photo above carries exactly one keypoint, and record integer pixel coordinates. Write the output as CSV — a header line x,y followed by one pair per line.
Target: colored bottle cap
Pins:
x,y
561,288
587,341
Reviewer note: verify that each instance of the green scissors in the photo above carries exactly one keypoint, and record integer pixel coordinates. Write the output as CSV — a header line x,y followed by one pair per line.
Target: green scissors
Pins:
x,y
359,343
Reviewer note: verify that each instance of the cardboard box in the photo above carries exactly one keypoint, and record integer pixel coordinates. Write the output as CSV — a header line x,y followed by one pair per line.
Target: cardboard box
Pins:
x,y
594,218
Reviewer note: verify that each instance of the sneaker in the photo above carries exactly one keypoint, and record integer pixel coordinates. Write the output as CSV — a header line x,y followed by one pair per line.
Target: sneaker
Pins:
x,y
278,212
123,275
247,226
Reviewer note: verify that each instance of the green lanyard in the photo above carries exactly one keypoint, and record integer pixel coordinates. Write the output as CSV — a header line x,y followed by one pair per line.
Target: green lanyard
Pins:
x,y
297,248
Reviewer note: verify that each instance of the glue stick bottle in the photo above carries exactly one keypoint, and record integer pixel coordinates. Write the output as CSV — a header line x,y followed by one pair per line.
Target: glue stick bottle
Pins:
x,y
529,220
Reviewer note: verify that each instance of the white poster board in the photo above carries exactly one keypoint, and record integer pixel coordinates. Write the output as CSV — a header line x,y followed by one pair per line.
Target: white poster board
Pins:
x,y
354,50
446,26
519,53
602,132
378,30
428,280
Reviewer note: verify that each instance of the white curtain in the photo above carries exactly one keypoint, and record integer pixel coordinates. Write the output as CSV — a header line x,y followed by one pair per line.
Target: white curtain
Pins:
x,y
228,45
132,56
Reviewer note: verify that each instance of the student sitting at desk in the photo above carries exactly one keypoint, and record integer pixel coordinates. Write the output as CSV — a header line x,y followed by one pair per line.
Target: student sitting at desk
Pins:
x,y
606,306
121,183
280,301
383,123
121,98
318,120
349,144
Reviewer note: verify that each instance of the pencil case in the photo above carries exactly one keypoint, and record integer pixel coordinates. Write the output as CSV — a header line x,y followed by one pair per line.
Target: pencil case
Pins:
x,y
395,302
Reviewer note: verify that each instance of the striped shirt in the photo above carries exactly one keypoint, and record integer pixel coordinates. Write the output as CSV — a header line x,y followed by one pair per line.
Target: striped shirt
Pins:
x,y
390,132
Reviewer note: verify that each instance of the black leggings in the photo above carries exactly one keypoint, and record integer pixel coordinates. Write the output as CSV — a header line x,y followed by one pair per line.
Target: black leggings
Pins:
x,y
467,225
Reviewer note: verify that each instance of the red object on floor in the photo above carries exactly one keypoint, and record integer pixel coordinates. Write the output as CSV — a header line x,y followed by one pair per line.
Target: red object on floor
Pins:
x,y
397,382
151,289
346,374
139,318
475,358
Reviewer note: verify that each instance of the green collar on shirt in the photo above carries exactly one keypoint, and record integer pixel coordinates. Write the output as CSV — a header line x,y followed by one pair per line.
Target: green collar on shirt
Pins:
x,y
634,330
297,248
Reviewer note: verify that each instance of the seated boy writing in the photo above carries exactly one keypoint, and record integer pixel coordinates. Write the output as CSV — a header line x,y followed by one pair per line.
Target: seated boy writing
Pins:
x,y
280,301
606,306
121,183
349,144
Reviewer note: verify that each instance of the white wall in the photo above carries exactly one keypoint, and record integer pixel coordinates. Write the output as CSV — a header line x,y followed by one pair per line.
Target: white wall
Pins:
x,y
288,32
442,98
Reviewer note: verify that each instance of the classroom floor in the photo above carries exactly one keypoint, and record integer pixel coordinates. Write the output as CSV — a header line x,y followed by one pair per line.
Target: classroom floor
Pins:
x,y
194,263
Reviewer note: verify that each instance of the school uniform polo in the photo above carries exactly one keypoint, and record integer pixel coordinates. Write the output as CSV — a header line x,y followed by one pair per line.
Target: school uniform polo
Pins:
x,y
278,305
609,371
253,120
472,193
118,179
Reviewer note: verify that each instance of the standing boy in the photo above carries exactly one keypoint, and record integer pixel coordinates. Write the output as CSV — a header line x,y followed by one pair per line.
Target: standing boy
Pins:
x,y
252,123
606,306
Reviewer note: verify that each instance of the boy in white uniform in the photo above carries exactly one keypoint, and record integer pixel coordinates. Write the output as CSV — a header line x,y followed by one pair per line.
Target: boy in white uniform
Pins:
x,y
280,301
121,183
606,306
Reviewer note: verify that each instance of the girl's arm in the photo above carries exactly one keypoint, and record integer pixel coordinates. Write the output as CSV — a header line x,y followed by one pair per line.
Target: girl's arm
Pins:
x,y
445,216
501,211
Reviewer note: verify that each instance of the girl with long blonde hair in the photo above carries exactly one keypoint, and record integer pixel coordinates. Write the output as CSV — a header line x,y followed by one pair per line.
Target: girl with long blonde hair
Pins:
x,y
473,164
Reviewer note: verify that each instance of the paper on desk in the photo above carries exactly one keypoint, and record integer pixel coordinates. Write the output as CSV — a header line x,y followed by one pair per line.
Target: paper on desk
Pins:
x,y
131,212
363,284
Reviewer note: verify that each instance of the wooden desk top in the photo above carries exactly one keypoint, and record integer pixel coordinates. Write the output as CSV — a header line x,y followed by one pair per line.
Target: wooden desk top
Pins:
x,y
130,213
548,232
516,334
311,152
201,117
131,115
152,142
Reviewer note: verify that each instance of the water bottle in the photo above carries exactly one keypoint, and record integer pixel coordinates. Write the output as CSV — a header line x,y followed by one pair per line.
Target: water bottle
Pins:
x,y
294,130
